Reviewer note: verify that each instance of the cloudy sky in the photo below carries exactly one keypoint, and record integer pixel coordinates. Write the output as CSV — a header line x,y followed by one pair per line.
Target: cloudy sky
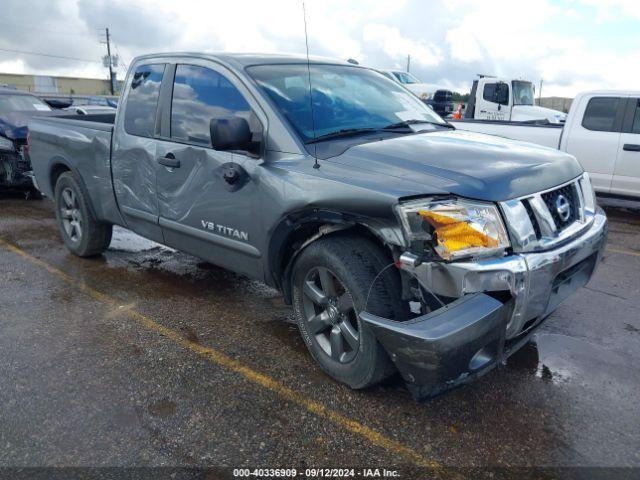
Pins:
x,y
573,45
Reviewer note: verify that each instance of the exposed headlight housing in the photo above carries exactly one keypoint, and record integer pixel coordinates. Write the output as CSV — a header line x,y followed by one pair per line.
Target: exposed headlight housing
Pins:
x,y
6,144
456,228
588,193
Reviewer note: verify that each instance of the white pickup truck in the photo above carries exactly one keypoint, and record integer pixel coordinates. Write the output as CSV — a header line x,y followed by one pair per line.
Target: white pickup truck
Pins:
x,y
602,131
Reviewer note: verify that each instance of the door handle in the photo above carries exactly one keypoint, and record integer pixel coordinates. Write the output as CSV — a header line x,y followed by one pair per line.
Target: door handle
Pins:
x,y
631,147
169,160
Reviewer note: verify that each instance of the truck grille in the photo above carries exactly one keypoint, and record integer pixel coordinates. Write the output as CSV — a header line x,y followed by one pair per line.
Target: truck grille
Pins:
x,y
563,205
543,220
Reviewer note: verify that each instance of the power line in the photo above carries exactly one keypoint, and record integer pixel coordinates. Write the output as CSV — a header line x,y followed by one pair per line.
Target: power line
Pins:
x,y
48,55
122,61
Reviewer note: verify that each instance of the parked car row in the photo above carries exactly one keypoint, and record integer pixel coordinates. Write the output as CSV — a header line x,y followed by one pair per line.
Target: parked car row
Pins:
x,y
404,244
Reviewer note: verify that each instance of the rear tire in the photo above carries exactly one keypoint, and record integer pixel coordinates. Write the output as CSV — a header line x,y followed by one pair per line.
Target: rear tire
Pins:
x,y
331,280
82,233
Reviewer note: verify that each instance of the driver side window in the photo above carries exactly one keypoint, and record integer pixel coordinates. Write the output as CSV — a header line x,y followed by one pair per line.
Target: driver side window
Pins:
x,y
489,92
200,95
496,93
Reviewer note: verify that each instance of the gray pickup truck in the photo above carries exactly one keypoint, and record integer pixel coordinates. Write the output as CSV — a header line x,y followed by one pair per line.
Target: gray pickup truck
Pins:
x,y
403,244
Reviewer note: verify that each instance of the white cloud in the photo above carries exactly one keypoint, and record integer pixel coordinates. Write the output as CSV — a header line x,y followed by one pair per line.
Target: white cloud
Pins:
x,y
514,39
465,47
611,9
13,66
449,40
395,45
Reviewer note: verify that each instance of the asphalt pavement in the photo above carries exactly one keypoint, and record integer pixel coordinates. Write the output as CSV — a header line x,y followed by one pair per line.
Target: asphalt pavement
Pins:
x,y
149,357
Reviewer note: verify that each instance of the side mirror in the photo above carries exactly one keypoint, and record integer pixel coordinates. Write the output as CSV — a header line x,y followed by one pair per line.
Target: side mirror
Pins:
x,y
232,133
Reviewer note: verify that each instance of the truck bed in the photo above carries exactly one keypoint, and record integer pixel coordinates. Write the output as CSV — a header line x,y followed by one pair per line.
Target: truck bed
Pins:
x,y
81,144
545,134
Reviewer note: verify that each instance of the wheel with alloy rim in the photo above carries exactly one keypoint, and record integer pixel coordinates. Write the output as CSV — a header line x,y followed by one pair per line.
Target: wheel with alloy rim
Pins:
x,y
330,315
331,279
70,215
82,233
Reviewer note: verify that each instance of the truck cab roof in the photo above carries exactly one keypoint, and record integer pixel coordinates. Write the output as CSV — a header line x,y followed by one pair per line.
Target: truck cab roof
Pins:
x,y
604,93
242,60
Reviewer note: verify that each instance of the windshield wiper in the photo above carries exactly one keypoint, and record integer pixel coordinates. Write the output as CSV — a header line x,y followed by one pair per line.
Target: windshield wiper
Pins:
x,y
407,123
345,132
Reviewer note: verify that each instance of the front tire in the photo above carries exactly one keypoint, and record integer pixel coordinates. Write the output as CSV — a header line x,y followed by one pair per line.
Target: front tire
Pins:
x,y
331,280
82,233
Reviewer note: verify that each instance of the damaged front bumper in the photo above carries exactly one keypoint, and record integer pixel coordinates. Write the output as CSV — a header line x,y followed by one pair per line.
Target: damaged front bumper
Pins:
x,y
15,171
480,329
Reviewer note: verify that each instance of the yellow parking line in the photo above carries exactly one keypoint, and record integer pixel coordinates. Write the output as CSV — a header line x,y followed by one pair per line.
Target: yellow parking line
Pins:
x,y
623,252
317,408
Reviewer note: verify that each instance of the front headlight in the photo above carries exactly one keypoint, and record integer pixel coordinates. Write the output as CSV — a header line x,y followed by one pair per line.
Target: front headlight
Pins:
x,y
6,144
456,228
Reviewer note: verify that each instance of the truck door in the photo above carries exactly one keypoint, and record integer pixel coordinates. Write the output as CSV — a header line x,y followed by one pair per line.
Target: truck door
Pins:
x,y
202,211
492,101
626,174
133,158
594,140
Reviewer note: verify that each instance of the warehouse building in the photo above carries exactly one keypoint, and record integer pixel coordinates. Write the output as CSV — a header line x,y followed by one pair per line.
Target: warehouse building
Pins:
x,y
43,84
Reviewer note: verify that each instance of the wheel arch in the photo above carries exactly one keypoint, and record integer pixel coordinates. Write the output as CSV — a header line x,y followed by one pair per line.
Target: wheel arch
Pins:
x,y
297,231
60,165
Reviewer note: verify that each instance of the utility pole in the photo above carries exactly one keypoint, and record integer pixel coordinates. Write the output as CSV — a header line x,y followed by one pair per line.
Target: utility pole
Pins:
x,y
540,94
109,63
408,63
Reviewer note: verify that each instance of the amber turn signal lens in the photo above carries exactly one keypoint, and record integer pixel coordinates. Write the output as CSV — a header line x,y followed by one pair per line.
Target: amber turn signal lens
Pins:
x,y
455,234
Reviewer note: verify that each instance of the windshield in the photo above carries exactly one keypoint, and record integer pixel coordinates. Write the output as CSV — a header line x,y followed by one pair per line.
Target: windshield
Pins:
x,y
522,93
343,98
406,78
22,103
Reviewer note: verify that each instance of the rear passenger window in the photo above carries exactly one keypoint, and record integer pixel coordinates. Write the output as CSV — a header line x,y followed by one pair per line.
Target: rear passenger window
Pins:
x,y
200,95
600,114
636,119
142,101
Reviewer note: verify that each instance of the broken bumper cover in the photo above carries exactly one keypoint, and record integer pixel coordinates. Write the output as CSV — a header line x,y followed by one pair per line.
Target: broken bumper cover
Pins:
x,y
15,171
471,335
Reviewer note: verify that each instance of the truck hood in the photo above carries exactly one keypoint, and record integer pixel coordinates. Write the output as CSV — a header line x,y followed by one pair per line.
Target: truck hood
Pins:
x,y
13,125
472,165
523,113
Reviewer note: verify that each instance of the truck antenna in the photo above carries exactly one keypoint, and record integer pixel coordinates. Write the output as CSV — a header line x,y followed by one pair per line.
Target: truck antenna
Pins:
x,y
313,121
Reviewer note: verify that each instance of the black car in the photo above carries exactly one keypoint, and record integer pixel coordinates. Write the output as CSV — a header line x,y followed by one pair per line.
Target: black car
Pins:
x,y
441,102
16,107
